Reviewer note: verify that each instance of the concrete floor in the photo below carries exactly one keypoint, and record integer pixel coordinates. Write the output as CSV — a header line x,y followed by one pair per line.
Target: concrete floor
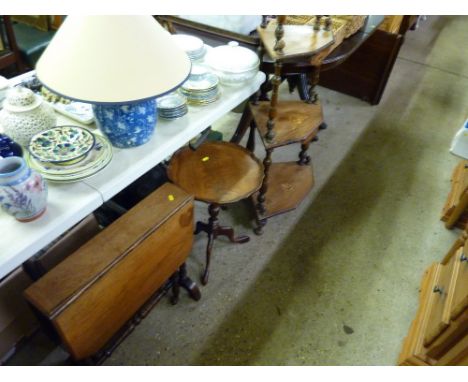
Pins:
x,y
336,281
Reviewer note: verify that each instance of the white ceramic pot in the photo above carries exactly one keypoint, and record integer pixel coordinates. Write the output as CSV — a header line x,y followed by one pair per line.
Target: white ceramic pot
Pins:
x,y
25,114
233,64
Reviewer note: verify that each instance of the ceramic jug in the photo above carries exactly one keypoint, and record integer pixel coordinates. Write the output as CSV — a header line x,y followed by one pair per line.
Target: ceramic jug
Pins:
x,y
24,114
23,192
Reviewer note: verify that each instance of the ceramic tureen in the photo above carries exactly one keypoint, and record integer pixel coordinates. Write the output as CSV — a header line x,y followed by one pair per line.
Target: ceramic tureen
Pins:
x,y
233,64
25,114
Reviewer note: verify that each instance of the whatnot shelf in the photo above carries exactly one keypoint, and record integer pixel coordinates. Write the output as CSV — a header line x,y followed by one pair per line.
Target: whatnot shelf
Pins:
x,y
296,121
288,186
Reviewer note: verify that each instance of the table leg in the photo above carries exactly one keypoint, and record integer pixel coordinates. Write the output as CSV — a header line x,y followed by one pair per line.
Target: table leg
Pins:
x,y
188,284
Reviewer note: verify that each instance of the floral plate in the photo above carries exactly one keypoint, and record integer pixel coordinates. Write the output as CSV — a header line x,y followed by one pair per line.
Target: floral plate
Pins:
x,y
98,158
61,144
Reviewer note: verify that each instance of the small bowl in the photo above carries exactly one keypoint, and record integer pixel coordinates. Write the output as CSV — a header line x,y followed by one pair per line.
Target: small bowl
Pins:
x,y
63,145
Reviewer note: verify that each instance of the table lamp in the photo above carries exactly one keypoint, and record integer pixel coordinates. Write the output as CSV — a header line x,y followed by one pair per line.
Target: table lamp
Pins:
x,y
119,64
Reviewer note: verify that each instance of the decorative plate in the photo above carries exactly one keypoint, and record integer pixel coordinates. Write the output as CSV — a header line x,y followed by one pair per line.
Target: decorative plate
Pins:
x,y
98,158
61,144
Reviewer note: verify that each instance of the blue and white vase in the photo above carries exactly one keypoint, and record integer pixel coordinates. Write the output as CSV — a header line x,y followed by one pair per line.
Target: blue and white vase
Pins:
x,y
127,125
23,192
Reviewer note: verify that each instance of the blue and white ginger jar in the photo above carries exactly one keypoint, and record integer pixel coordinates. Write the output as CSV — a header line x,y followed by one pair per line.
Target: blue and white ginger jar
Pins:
x,y
127,125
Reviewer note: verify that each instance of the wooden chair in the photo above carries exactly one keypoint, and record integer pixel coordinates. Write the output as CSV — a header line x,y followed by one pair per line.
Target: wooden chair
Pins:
x,y
9,52
217,173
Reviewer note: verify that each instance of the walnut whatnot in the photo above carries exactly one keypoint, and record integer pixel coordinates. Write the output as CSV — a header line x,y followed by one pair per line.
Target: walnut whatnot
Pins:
x,y
283,123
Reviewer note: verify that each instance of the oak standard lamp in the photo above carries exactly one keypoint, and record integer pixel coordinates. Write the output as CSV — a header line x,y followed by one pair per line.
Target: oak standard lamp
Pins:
x,y
119,64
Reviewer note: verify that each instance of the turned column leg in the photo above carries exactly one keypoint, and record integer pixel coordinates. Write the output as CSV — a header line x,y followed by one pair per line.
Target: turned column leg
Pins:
x,y
251,141
261,195
244,123
304,158
274,103
314,80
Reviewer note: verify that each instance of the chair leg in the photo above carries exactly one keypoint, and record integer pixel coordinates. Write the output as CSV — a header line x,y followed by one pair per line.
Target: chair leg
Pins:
x,y
243,125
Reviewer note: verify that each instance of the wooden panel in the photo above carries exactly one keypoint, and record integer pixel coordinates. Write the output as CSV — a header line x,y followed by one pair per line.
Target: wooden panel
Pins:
x,y
461,240
460,294
450,337
457,355
414,352
440,296
91,320
457,199
76,272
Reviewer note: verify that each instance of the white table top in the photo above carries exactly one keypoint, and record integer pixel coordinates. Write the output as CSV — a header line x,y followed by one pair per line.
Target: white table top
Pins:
x,y
70,203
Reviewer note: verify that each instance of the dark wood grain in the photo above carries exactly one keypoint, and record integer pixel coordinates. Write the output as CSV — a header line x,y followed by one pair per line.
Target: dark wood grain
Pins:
x,y
217,172
92,293
295,121
288,185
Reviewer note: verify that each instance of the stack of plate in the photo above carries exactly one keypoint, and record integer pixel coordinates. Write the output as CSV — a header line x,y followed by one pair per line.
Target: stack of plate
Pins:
x,y
193,46
68,153
172,106
202,87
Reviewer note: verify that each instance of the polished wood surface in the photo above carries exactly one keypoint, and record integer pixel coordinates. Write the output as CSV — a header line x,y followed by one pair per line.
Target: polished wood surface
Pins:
x,y
414,352
457,330
454,211
77,272
457,355
217,172
459,301
299,40
295,121
290,183
440,318
92,293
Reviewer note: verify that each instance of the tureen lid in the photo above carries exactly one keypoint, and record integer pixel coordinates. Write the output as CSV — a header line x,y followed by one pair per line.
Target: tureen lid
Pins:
x,y
21,99
232,58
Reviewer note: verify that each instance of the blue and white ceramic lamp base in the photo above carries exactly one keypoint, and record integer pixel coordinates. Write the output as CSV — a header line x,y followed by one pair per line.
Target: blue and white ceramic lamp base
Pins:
x,y
128,125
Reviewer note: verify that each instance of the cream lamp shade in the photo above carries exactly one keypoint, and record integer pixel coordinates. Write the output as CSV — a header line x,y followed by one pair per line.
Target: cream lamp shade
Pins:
x,y
112,59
